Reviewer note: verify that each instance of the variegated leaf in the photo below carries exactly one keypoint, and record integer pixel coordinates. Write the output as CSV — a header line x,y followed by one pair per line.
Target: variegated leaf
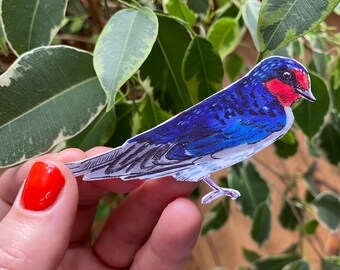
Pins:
x,y
48,95
283,21
30,24
122,47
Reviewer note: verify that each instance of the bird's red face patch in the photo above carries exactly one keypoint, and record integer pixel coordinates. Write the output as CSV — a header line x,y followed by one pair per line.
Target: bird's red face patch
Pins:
x,y
284,92
301,78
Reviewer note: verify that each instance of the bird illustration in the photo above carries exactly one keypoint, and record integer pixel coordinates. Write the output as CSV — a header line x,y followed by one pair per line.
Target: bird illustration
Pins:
x,y
220,131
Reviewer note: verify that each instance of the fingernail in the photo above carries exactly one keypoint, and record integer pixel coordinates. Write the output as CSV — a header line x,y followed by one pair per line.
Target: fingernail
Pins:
x,y
42,186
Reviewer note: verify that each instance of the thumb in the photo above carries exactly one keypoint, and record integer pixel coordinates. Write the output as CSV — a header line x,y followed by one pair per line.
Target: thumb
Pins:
x,y
36,231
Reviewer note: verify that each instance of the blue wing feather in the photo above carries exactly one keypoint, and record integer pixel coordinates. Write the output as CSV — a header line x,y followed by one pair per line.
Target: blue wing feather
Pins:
x,y
225,120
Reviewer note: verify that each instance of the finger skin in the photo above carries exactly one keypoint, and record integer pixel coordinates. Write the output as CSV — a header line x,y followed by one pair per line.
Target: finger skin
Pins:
x,y
131,224
39,239
173,238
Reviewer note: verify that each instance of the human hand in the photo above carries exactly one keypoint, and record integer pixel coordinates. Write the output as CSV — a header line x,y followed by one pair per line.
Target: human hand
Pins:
x,y
153,228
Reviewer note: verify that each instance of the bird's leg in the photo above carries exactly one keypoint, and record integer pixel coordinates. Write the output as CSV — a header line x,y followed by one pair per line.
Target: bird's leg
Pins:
x,y
218,192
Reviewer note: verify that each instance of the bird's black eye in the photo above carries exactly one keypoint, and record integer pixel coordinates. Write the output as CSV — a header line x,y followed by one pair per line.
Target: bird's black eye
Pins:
x,y
286,75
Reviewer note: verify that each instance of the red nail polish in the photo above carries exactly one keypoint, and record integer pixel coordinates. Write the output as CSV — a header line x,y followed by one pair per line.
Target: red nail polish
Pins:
x,y
42,186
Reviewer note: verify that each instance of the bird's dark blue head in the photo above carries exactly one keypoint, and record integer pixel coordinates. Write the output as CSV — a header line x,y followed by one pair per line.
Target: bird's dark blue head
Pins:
x,y
285,78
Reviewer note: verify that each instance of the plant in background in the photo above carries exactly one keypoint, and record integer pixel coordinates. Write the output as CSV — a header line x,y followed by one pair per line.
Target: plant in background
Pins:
x,y
153,59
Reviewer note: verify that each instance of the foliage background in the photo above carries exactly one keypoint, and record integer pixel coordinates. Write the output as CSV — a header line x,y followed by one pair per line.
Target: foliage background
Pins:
x,y
151,60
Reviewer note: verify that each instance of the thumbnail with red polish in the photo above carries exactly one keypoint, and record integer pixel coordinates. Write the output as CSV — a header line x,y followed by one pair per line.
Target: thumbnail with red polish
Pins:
x,y
42,186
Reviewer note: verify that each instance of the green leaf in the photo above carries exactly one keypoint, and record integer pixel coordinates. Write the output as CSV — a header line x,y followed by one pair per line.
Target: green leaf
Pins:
x,y
122,47
309,227
283,21
261,223
179,9
250,255
233,66
250,18
216,217
202,69
40,104
309,180
327,205
286,146
241,267
149,115
328,139
335,86
330,263
292,248
337,9
3,43
290,213
77,24
276,262
224,34
124,123
198,6
30,24
251,185
220,3
310,116
164,65
230,10
319,55
97,133
297,265
103,210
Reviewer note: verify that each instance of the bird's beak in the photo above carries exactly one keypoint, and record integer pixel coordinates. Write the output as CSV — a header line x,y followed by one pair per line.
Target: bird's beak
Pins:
x,y
306,94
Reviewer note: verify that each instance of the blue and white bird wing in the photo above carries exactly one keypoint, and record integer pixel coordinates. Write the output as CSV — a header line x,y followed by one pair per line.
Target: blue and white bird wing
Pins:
x,y
200,132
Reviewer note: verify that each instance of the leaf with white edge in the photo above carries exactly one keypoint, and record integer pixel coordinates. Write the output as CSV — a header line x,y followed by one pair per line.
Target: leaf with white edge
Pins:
x,y
310,116
337,9
280,22
202,69
251,185
330,263
178,8
122,47
261,223
31,24
48,95
250,18
224,34
328,205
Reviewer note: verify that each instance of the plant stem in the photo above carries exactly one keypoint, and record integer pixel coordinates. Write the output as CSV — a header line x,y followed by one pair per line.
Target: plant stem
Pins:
x,y
107,11
260,56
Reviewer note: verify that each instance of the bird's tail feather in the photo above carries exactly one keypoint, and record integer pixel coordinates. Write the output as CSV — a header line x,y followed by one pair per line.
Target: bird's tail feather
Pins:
x,y
87,165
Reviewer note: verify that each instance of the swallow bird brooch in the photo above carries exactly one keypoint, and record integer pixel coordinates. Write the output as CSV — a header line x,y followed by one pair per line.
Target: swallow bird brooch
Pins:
x,y
220,131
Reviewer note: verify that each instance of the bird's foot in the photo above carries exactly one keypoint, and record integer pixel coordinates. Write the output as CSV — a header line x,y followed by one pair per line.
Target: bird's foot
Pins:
x,y
218,192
